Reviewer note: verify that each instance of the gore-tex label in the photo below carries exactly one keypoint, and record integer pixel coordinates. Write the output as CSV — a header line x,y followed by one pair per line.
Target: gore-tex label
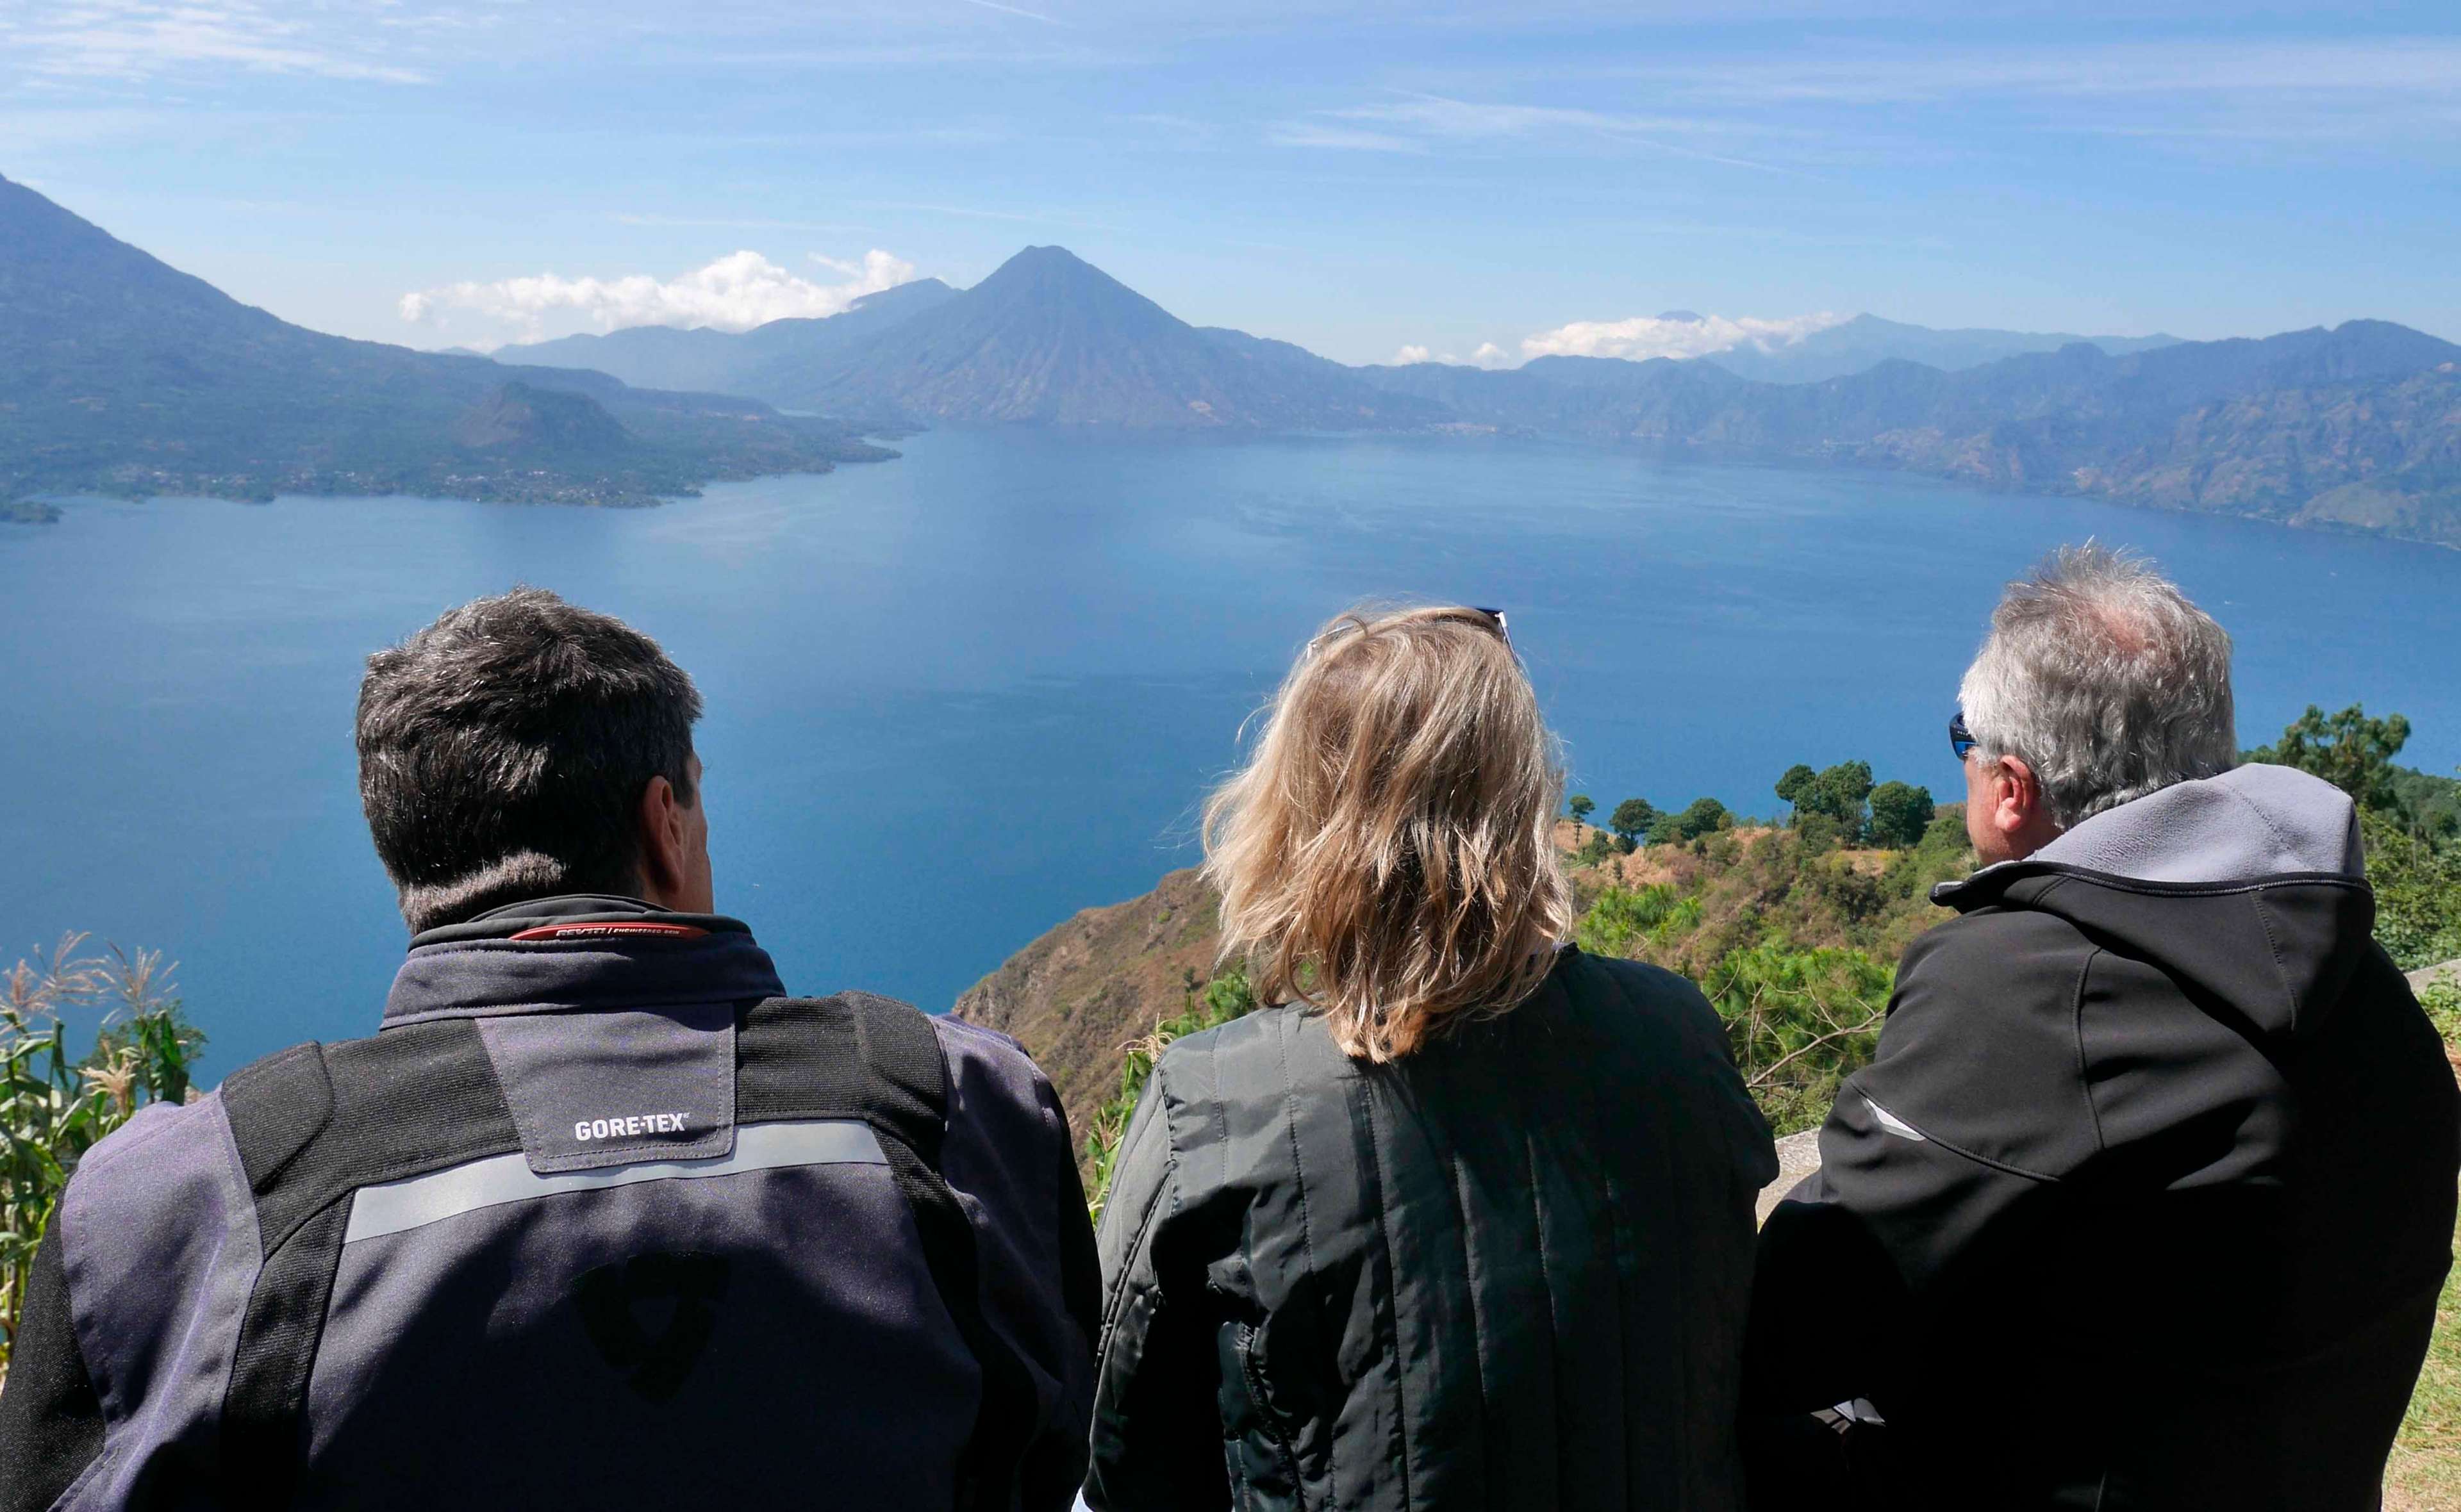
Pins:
x,y
592,1090
619,1128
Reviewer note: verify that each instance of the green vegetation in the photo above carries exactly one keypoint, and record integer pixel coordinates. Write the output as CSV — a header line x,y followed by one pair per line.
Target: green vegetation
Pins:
x,y
54,1104
1580,806
1792,936
1703,816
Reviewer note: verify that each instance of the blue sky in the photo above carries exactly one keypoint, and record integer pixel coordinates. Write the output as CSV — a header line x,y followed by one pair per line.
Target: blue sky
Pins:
x,y
1358,179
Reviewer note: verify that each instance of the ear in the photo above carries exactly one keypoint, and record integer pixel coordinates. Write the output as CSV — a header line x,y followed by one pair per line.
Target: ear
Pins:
x,y
665,849
2020,809
2015,796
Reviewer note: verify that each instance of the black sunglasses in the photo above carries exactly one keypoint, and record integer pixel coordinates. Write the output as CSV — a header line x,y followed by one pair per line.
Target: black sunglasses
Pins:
x,y
1960,739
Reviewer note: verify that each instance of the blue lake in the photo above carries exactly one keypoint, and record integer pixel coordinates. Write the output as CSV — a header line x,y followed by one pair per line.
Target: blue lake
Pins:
x,y
955,697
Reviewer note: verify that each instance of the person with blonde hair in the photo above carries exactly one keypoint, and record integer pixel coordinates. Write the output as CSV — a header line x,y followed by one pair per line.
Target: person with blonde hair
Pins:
x,y
1463,1217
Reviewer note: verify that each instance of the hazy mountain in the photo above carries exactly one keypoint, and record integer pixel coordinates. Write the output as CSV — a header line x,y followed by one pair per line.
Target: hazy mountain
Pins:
x,y
1048,339
1866,341
2358,426
758,363
120,374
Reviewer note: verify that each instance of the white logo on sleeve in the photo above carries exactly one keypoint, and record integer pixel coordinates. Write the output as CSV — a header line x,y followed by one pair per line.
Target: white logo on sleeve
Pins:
x,y
1895,1126
626,1127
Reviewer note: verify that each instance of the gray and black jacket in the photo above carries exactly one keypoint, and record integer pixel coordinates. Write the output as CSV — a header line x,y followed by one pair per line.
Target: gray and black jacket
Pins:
x,y
598,1219
2145,1200
1508,1272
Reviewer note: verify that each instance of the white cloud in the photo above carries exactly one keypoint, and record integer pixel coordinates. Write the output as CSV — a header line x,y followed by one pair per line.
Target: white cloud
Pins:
x,y
1673,336
736,292
1487,355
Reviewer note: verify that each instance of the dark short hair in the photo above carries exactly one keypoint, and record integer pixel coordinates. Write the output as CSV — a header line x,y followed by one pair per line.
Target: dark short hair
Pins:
x,y
503,750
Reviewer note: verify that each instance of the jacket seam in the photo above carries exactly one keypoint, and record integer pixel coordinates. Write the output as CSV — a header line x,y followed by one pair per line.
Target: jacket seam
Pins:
x,y
1999,887
1307,1247
1391,1296
2084,1073
1116,1294
2273,948
1470,1288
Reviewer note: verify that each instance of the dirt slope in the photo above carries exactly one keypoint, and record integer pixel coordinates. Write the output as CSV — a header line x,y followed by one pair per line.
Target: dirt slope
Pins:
x,y
1074,997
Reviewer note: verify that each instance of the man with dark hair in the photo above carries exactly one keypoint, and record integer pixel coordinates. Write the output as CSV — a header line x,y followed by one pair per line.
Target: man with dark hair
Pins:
x,y
2146,1195
599,1217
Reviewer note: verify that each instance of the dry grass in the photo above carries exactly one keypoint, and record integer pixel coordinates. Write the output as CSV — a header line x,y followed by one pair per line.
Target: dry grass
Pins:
x,y
2425,1475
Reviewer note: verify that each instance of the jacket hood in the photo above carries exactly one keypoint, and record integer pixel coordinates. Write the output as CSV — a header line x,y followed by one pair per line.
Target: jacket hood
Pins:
x,y
2248,889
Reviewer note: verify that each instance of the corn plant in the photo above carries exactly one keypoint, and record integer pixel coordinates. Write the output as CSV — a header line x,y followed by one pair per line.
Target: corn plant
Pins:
x,y
56,1103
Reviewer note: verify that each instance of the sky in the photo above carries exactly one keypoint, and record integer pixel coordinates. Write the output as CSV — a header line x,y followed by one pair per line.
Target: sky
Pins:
x,y
1376,181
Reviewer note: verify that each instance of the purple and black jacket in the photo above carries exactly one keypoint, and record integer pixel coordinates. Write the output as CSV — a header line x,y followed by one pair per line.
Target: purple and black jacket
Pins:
x,y
598,1218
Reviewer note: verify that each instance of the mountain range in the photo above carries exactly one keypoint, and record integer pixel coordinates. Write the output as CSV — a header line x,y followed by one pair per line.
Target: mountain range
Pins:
x,y
2358,427
1867,341
120,374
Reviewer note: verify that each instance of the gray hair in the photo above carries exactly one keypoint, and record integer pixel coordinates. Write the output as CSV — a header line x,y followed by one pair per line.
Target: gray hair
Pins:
x,y
2101,677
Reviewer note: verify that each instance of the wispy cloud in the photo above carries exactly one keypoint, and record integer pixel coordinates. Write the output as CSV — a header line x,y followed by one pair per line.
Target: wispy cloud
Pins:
x,y
140,39
736,292
1010,10
1672,336
737,224
2196,68
1413,121
1340,139
1067,218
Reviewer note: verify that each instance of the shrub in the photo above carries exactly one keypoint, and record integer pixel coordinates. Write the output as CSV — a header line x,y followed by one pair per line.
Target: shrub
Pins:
x,y
1800,1021
2418,892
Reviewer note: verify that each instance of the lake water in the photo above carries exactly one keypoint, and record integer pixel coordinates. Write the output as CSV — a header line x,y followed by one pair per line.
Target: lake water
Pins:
x,y
955,697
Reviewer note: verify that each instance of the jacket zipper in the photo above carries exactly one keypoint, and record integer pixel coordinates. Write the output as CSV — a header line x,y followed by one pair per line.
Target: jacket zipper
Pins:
x,y
1255,1375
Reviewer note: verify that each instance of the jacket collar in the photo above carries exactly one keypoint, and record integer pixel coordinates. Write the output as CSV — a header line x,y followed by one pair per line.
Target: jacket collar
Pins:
x,y
2252,824
578,952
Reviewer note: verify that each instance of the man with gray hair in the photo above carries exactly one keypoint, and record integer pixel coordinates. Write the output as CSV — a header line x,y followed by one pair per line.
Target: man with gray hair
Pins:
x,y
2146,1195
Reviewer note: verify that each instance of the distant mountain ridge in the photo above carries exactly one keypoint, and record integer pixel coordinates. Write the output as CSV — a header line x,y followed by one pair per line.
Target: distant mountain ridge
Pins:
x,y
119,374
1866,341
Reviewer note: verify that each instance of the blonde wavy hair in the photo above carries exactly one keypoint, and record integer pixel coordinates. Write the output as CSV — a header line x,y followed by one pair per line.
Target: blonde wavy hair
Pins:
x,y
1387,855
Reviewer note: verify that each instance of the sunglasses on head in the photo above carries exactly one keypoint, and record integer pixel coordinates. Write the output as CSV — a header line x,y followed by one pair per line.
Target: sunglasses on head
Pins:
x,y
1960,739
1494,617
